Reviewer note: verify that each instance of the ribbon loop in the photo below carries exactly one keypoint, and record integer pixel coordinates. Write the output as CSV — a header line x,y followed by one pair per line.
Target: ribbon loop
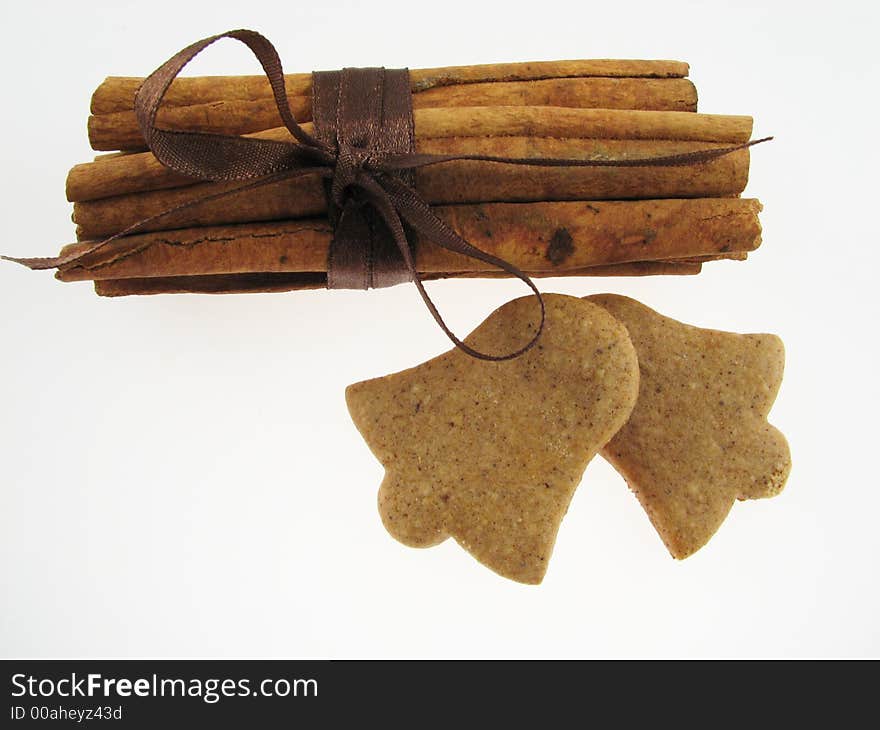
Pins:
x,y
351,162
198,154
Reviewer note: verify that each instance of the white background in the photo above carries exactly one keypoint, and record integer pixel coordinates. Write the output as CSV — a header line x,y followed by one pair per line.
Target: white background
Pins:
x,y
180,476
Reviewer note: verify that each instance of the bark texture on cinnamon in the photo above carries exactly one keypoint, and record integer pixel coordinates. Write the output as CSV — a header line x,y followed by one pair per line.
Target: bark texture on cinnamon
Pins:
x,y
116,93
451,182
142,171
119,129
556,238
277,283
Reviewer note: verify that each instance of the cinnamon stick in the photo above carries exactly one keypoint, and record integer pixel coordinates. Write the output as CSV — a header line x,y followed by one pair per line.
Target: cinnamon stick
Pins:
x,y
267,283
556,238
119,129
128,173
451,182
117,93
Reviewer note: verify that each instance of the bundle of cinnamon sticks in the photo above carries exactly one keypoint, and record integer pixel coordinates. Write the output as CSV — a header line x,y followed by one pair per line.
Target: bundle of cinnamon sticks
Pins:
x,y
547,221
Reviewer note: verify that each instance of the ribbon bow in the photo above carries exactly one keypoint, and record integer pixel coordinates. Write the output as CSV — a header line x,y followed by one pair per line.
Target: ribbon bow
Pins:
x,y
375,177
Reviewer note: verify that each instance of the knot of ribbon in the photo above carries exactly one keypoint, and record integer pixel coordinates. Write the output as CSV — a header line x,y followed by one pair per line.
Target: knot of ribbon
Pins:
x,y
351,164
364,150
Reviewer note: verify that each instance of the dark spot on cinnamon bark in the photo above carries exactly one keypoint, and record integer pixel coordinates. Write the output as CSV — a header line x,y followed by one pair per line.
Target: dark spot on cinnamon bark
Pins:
x,y
560,247
283,259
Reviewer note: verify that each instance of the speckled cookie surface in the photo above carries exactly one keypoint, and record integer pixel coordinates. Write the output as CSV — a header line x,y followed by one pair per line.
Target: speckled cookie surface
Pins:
x,y
698,438
490,453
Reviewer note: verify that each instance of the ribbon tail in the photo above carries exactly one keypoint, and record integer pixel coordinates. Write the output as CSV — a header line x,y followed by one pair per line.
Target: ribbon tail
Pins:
x,y
415,161
71,259
400,200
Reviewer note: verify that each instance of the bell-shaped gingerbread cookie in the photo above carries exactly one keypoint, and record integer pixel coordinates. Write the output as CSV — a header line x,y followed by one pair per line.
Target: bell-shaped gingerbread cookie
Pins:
x,y
490,453
698,438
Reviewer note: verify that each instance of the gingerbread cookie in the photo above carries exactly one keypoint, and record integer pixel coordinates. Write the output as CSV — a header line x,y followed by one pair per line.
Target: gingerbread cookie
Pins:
x,y
490,453
698,438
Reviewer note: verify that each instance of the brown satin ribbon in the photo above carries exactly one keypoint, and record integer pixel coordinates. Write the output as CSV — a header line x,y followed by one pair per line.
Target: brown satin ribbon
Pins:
x,y
366,109
359,171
